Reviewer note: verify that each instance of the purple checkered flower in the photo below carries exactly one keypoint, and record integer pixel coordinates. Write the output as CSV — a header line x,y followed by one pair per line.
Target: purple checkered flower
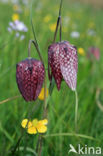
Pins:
x,y
30,76
62,58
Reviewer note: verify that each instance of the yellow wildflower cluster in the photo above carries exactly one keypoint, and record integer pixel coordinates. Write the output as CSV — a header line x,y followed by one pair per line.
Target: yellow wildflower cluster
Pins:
x,y
35,126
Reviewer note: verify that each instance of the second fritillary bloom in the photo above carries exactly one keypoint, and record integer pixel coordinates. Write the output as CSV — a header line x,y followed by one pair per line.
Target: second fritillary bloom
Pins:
x,y
63,60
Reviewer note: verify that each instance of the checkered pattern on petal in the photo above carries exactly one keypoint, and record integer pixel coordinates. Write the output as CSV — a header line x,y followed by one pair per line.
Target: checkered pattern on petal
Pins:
x,y
68,63
53,59
30,77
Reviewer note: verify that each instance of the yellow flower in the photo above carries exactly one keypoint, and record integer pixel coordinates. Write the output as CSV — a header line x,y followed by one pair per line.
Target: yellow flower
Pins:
x,y
47,18
15,17
35,126
15,7
52,27
81,51
41,95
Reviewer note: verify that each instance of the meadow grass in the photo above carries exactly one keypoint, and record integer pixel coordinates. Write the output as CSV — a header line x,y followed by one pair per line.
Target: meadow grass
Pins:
x,y
61,108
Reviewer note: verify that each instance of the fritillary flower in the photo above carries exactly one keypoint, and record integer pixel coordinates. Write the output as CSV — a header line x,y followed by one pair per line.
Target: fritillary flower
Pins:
x,y
30,76
62,58
94,52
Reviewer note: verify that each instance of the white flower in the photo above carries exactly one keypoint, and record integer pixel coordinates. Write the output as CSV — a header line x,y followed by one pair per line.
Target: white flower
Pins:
x,y
75,34
20,26
12,25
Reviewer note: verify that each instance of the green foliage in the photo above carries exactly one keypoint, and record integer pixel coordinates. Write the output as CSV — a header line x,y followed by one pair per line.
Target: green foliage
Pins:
x,y
61,108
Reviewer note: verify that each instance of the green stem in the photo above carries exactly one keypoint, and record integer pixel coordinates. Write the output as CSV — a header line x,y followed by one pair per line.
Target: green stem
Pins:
x,y
60,29
60,7
45,91
58,22
9,99
40,140
29,49
76,111
38,50
36,43
22,134
39,145
71,134
99,104
55,34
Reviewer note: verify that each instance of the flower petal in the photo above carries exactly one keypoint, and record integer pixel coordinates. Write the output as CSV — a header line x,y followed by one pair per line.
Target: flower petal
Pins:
x,y
41,75
68,63
53,60
30,76
25,123
44,122
35,122
41,128
32,130
41,95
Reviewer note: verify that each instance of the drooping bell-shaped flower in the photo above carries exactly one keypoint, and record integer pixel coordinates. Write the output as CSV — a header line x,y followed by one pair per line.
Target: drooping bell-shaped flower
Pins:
x,y
62,58
30,76
94,51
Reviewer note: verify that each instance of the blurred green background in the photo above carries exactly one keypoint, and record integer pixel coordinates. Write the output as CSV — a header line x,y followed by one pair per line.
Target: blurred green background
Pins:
x,y
82,26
